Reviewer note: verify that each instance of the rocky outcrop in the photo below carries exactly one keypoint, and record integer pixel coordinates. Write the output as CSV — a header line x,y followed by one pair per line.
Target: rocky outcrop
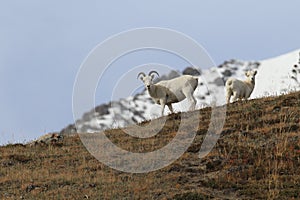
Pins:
x,y
50,138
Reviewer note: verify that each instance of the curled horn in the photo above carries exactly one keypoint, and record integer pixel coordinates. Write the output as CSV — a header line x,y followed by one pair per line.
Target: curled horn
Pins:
x,y
153,72
141,73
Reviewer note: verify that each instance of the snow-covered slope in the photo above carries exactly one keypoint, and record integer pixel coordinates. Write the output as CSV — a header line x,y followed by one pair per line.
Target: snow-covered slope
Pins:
x,y
275,76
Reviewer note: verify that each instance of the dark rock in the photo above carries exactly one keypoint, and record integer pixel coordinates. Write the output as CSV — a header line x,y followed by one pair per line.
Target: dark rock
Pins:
x,y
49,138
219,81
87,116
102,109
191,71
256,64
227,73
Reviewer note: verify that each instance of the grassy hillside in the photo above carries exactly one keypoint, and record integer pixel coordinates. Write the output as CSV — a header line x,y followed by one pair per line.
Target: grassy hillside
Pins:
x,y
256,157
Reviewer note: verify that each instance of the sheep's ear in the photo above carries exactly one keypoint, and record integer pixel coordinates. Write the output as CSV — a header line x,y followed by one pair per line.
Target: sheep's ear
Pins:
x,y
255,72
247,73
141,75
152,76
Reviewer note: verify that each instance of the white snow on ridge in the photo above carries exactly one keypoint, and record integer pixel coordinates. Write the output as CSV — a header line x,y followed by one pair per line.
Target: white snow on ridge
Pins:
x,y
274,75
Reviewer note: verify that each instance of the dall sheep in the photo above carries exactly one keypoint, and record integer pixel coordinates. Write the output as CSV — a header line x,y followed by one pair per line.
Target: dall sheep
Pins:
x,y
170,91
240,89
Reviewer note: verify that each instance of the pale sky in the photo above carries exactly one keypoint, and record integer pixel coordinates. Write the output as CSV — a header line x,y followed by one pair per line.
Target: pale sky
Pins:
x,y
43,44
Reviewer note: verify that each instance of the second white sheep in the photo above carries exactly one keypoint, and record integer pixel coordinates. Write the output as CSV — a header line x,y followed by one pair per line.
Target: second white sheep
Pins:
x,y
240,89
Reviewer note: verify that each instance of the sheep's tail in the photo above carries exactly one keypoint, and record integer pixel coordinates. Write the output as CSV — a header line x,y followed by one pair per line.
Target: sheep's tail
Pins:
x,y
229,82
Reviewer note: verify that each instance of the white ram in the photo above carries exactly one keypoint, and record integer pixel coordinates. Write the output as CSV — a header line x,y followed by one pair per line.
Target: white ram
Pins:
x,y
170,91
240,89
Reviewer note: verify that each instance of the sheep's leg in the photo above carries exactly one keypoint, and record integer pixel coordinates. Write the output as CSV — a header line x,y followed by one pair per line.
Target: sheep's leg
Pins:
x,y
228,95
235,96
188,93
193,103
228,99
162,103
170,107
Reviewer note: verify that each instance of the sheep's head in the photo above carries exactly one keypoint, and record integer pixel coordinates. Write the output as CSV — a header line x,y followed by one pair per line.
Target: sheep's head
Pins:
x,y
147,79
251,75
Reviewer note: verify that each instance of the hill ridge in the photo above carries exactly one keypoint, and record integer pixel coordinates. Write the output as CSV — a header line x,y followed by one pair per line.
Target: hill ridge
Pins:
x,y
256,157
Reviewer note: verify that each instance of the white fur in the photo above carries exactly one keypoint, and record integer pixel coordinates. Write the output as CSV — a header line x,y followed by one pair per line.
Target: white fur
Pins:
x,y
170,91
240,89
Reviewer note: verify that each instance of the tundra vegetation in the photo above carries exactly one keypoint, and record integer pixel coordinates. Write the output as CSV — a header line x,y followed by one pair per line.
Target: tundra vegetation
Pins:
x,y
256,157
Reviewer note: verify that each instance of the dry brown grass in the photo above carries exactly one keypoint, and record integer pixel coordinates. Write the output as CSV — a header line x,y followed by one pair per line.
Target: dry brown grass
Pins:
x,y
256,157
